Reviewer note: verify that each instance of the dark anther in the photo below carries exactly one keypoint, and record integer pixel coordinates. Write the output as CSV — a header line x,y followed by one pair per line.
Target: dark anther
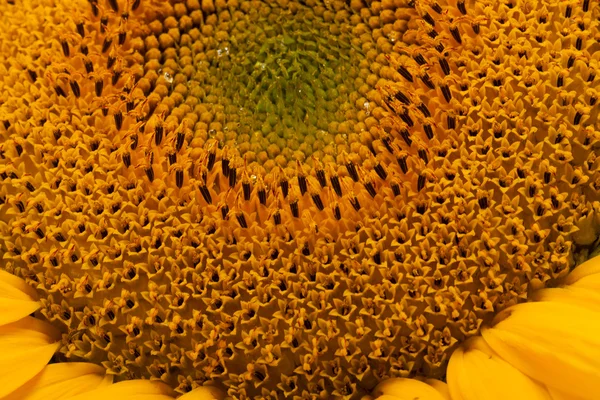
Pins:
x,y
32,75
451,121
122,37
395,189
262,197
110,62
446,92
428,131
158,134
302,184
402,163
106,44
80,29
337,213
149,173
306,249
130,303
406,136
60,91
246,188
134,142
444,65
370,188
241,220
232,177
419,59
405,73
423,108
377,258
179,178
206,194
127,160
423,155
115,76
114,5
405,116
420,182
568,12
559,81
352,171
212,157
402,97
225,167
99,86
179,141
277,218
475,28
321,177
355,203
65,48
335,182
84,49
577,118
294,208
540,210
381,172
74,257
432,33
39,233
483,203
317,200
118,117
428,19
456,34
224,211
89,66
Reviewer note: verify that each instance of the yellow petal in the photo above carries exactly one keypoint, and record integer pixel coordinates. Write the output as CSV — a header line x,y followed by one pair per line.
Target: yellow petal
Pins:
x,y
553,343
203,393
440,386
475,372
558,395
9,281
62,381
26,346
138,389
406,389
577,296
17,298
589,268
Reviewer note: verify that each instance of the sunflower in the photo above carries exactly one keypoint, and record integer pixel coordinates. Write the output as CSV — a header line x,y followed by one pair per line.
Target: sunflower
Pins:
x,y
298,199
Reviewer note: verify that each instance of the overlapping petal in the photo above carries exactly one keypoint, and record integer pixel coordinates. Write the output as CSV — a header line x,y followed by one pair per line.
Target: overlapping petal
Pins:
x,y
17,298
554,343
204,393
62,381
475,372
26,346
409,389
138,389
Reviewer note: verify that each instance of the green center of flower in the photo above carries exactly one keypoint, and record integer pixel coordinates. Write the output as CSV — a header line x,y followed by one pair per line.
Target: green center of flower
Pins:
x,y
284,79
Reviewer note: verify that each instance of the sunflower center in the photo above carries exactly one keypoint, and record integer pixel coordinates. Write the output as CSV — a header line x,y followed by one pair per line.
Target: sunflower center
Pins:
x,y
280,83
283,78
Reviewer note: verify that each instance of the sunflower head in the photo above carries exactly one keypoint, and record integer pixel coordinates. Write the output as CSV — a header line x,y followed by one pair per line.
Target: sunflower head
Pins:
x,y
295,197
